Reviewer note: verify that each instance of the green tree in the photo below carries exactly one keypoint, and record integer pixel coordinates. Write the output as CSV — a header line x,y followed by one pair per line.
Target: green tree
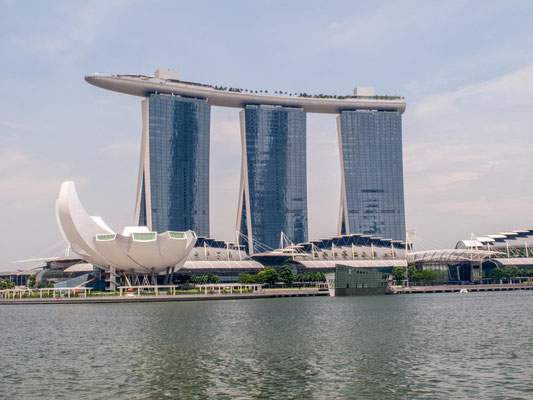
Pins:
x,y
526,272
320,277
246,278
427,275
286,275
344,254
412,273
6,284
511,271
31,281
211,278
314,277
259,278
399,273
271,275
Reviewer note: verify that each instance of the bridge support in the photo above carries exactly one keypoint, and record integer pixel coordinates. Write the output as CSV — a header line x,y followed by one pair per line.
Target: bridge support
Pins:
x,y
153,277
112,279
167,273
172,272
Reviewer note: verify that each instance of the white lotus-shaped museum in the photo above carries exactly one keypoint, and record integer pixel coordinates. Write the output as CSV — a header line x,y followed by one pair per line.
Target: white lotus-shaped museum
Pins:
x,y
135,249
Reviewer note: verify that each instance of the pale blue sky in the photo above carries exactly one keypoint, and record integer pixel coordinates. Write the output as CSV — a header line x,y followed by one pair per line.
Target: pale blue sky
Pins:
x,y
464,67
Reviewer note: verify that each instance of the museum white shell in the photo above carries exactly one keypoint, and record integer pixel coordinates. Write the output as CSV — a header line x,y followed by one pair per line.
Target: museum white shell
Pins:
x,y
135,249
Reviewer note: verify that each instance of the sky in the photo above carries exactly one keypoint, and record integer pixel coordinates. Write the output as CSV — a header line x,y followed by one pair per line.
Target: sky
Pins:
x,y
465,69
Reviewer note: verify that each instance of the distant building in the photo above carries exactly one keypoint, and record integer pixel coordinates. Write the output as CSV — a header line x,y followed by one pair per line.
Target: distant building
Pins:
x,y
517,243
19,277
173,188
472,260
353,281
512,248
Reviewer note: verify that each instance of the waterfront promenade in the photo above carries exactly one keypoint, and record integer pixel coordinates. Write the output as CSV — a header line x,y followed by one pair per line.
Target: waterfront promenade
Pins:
x,y
162,297
135,297
458,288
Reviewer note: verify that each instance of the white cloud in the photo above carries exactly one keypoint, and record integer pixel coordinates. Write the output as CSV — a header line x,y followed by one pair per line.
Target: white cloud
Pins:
x,y
459,176
125,148
509,91
467,158
388,22
464,169
26,126
227,132
483,206
225,159
28,179
77,26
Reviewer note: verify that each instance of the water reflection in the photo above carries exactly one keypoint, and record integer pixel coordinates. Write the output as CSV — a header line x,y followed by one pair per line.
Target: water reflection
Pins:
x,y
427,346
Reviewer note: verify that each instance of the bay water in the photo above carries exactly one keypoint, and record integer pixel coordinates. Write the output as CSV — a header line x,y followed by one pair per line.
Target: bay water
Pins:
x,y
429,346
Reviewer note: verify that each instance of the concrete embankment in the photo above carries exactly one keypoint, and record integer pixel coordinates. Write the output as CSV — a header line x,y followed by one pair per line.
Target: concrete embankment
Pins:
x,y
459,288
165,298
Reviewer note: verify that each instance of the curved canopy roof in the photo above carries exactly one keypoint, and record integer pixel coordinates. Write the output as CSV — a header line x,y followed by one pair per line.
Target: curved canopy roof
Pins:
x,y
518,238
354,263
229,265
519,262
81,267
451,255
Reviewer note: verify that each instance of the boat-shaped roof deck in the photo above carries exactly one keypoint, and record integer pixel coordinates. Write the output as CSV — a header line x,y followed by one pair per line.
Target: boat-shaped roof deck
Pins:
x,y
144,85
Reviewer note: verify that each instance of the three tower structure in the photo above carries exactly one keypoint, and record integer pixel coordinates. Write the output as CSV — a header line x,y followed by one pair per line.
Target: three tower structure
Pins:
x,y
173,183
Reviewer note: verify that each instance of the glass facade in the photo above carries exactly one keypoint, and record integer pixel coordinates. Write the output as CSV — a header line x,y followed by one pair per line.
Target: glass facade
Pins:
x,y
372,195
275,176
352,281
178,142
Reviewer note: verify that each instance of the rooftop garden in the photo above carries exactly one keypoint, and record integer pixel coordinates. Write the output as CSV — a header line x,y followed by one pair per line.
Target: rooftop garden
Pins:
x,y
271,93
305,95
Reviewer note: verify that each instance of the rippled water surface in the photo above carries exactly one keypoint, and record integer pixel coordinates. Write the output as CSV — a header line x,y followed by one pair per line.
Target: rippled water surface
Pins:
x,y
476,345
